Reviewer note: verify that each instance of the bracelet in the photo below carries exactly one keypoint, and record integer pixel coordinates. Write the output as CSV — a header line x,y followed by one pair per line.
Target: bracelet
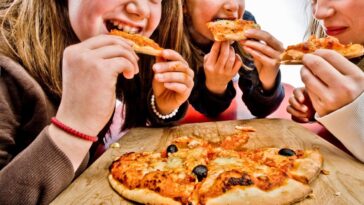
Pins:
x,y
71,131
164,117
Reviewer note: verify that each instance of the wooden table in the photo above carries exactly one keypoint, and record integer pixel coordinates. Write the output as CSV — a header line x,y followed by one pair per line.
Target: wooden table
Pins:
x,y
343,185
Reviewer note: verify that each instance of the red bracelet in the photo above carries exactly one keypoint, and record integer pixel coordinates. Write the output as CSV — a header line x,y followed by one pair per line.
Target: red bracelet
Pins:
x,y
72,131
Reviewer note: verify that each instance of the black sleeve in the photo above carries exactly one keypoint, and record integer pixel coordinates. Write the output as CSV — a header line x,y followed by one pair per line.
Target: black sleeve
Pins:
x,y
155,121
249,16
259,102
206,102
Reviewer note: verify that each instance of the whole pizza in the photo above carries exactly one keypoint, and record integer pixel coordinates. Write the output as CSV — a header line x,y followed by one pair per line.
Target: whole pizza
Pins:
x,y
194,171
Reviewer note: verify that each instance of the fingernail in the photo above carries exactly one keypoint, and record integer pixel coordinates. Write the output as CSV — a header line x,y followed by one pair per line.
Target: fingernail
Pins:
x,y
304,108
159,76
156,67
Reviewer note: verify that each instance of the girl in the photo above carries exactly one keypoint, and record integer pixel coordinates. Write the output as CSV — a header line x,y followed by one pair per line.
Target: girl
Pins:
x,y
216,63
58,61
334,85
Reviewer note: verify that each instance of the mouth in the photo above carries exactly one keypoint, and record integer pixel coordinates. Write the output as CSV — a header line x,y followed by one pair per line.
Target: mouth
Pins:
x,y
122,26
221,19
335,30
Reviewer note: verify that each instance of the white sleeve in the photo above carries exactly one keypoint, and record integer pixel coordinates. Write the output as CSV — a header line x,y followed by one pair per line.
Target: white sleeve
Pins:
x,y
347,125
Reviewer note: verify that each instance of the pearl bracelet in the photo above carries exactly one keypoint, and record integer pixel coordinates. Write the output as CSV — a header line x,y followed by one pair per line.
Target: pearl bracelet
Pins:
x,y
164,117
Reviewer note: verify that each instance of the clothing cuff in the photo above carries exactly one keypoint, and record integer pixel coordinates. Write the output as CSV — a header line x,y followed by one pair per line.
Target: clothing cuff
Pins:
x,y
346,124
227,97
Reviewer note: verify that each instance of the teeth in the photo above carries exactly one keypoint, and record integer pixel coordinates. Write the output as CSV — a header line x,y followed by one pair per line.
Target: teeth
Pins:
x,y
125,28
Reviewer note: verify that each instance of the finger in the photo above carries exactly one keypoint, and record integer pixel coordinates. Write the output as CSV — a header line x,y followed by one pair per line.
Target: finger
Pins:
x,y
316,102
299,94
214,52
297,105
172,66
122,65
312,83
263,48
341,64
171,77
112,51
223,55
103,40
266,37
172,55
322,69
258,56
231,60
297,115
177,87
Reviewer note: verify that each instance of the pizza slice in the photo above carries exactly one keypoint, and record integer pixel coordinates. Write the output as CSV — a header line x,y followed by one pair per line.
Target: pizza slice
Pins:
x,y
294,53
223,30
141,44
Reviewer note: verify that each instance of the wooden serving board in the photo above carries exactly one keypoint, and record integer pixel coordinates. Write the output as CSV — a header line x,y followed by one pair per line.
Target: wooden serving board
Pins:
x,y
343,185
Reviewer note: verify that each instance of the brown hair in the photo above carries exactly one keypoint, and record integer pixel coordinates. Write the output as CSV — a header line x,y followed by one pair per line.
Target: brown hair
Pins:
x,y
35,33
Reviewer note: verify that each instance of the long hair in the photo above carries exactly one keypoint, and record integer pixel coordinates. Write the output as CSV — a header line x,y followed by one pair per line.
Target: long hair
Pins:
x,y
35,33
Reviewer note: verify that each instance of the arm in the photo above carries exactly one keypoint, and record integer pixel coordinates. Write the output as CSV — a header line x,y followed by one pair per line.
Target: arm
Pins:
x,y
208,103
259,102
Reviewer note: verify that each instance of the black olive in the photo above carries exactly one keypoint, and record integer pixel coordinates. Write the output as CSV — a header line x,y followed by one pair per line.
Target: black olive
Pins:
x,y
200,171
286,152
172,149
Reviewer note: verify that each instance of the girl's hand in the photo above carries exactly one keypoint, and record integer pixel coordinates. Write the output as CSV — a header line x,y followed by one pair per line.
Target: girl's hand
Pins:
x,y
265,52
300,106
90,70
173,81
220,66
331,80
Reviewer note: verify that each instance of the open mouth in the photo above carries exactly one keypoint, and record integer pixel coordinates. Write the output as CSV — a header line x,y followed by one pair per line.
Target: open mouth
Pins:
x,y
221,19
118,25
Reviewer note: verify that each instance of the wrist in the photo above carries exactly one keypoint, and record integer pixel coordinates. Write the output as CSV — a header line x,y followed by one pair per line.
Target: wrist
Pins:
x,y
215,88
159,114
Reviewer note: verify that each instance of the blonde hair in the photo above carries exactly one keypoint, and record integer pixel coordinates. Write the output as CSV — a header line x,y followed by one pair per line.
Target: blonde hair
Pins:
x,y
35,33
314,27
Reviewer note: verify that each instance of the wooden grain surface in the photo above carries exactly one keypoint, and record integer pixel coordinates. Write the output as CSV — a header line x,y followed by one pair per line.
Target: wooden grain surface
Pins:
x,y
343,185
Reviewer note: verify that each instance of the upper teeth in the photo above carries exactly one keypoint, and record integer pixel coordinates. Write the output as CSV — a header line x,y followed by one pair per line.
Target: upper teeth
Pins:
x,y
125,28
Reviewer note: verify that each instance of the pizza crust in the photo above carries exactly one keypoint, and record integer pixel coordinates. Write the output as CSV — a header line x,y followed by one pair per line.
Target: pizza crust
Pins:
x,y
143,196
308,168
289,193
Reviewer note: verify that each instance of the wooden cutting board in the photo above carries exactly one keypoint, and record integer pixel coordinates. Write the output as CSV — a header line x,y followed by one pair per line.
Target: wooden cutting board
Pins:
x,y
343,185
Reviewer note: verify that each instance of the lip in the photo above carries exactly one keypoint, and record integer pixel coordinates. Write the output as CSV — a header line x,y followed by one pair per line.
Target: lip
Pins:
x,y
335,30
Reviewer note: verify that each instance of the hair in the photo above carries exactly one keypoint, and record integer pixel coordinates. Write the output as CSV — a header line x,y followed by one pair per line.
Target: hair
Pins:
x,y
314,27
35,33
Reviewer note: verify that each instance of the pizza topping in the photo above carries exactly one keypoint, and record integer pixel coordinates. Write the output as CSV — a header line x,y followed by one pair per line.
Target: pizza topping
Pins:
x,y
172,148
200,171
244,180
286,152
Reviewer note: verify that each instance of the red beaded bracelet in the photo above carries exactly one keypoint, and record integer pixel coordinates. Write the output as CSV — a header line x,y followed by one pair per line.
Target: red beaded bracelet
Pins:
x,y
71,131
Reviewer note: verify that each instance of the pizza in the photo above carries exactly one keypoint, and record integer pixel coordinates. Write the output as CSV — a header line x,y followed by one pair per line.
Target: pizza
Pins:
x,y
294,53
223,30
141,44
194,171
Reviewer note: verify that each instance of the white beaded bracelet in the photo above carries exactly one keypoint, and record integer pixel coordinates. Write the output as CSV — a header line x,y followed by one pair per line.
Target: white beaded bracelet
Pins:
x,y
164,117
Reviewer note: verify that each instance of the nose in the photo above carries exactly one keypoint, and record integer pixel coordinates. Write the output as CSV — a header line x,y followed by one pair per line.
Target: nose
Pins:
x,y
138,8
321,9
231,5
